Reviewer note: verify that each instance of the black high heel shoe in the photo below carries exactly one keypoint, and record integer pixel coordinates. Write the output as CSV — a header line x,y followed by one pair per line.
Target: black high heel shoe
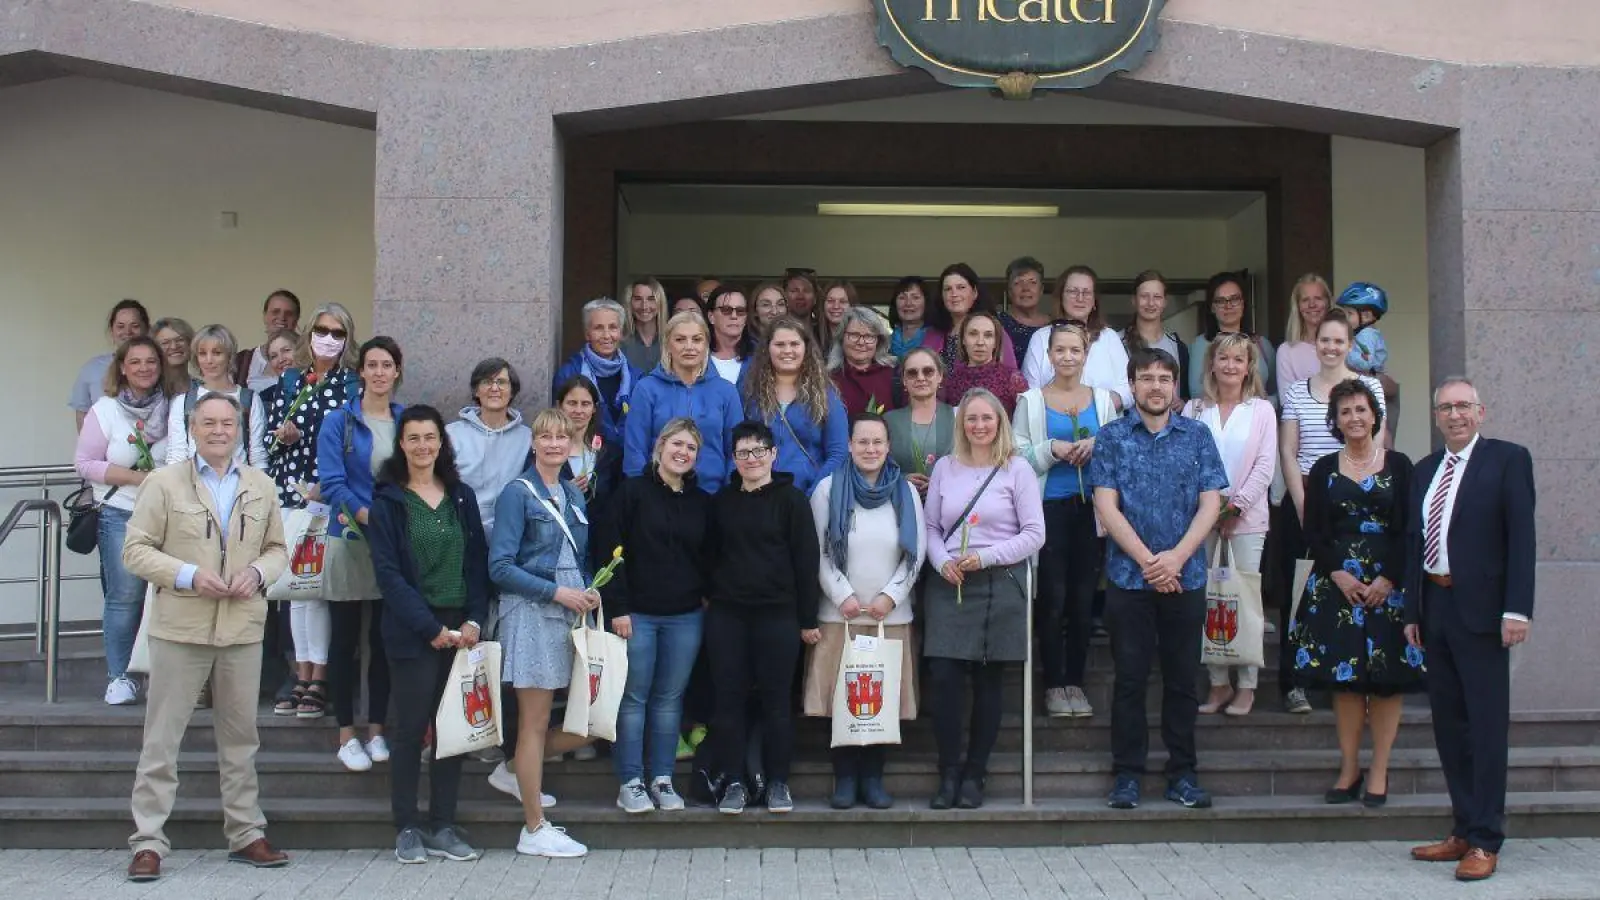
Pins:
x,y
1339,795
1373,800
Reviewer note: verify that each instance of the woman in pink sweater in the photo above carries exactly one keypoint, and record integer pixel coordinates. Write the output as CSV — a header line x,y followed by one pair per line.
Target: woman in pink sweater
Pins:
x,y
1242,423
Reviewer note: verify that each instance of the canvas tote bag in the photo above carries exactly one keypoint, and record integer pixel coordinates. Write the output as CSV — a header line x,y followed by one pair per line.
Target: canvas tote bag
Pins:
x,y
599,675
1234,623
866,695
468,717
305,532
140,660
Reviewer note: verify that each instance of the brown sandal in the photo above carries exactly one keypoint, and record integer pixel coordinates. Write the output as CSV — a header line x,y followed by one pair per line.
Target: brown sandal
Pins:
x,y
291,704
314,703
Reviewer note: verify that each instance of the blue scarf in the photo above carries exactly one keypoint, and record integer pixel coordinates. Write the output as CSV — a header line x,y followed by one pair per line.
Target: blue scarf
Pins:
x,y
900,346
851,490
595,367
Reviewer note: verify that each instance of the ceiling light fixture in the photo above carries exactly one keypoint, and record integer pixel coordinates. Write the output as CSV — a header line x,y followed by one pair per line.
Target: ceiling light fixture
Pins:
x,y
940,210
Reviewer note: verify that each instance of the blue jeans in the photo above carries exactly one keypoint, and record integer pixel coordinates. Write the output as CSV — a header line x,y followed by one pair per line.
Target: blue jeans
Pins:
x,y
123,592
661,655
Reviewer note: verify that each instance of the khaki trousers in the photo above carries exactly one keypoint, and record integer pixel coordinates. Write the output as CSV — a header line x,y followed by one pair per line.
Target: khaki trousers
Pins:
x,y
177,672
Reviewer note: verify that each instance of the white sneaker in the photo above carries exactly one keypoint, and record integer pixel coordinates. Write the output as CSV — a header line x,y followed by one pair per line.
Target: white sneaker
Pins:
x,y
585,753
378,749
504,780
549,840
633,799
122,691
354,756
662,792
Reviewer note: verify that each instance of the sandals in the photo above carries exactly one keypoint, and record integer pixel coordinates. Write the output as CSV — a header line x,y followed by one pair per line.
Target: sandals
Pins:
x,y
290,705
314,702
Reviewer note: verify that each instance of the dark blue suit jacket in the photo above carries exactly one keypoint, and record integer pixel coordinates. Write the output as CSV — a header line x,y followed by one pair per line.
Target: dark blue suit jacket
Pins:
x,y
1491,537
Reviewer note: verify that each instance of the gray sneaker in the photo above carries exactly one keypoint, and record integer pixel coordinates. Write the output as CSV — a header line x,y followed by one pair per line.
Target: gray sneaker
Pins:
x,y
1296,702
1056,704
733,799
778,798
408,847
450,843
667,799
1078,702
633,799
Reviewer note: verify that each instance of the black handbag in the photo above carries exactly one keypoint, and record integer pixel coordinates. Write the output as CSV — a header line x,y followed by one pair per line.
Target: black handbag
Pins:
x,y
83,519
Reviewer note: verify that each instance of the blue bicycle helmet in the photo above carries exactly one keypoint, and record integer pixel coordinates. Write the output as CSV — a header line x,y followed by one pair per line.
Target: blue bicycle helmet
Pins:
x,y
1365,294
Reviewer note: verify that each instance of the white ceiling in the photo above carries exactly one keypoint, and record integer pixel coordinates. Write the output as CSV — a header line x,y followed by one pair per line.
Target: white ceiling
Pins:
x,y
802,200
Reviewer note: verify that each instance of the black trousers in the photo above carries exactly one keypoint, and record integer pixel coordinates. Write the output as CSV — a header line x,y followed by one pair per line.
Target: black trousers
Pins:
x,y
947,694
753,651
344,671
1069,571
1145,625
860,762
1289,546
1469,688
419,684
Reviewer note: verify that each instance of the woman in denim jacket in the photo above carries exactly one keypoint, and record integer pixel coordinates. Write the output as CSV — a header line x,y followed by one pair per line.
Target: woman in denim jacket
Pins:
x,y
537,559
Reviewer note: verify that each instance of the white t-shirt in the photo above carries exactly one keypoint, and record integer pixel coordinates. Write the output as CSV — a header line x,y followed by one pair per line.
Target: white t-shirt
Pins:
x,y
252,449
729,369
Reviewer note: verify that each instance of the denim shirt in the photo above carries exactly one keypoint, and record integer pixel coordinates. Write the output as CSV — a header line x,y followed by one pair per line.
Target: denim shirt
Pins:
x,y
526,545
1159,479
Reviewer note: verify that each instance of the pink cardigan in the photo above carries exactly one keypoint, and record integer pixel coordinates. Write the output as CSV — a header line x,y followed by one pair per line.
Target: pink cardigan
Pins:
x,y
1250,478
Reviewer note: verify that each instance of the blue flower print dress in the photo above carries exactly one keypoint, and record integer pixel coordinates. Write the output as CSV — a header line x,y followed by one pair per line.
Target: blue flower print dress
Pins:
x,y
1359,527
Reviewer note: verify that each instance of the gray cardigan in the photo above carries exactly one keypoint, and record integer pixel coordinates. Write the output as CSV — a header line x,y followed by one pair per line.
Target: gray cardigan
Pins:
x,y
903,449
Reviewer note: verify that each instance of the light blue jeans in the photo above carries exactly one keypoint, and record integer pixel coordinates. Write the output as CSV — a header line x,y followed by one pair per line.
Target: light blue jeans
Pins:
x,y
661,655
123,592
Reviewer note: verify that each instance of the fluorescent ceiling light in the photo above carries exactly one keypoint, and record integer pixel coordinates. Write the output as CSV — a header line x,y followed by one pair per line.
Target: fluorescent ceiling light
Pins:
x,y
982,210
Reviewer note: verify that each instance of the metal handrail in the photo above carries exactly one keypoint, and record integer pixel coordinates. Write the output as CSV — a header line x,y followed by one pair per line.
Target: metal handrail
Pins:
x,y
48,617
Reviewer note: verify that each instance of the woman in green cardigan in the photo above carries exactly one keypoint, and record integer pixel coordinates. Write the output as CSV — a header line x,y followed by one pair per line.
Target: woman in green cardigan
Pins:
x,y
924,429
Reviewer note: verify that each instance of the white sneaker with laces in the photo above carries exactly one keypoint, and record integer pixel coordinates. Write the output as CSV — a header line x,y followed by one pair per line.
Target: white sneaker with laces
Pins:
x,y
122,691
504,780
662,792
378,749
549,840
354,756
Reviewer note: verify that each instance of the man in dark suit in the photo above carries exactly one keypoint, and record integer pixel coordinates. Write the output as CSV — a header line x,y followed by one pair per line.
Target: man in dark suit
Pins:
x,y
1472,537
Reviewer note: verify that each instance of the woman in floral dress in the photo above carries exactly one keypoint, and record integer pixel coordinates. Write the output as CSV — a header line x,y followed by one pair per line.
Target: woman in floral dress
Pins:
x,y
1348,634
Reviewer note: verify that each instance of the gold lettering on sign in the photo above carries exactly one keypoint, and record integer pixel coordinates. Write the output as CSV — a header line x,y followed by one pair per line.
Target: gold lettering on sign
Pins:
x,y
1032,12
1108,18
955,11
1041,10
988,5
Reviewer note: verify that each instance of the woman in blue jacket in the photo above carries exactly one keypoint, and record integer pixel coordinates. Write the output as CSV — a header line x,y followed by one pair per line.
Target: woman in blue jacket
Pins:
x,y
432,566
786,388
352,444
539,561
685,386
602,362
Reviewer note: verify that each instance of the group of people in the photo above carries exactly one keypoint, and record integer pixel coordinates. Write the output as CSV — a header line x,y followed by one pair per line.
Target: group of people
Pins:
x,y
779,465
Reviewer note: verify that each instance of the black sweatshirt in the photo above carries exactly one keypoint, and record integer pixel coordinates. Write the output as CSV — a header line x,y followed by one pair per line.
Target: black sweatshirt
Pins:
x,y
764,549
663,535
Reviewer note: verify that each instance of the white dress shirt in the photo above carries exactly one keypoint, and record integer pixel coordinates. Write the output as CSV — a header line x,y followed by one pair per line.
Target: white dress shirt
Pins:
x,y
1448,513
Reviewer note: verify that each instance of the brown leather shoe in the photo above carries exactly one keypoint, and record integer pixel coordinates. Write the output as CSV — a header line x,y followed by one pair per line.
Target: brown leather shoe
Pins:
x,y
1451,849
260,854
1477,865
146,866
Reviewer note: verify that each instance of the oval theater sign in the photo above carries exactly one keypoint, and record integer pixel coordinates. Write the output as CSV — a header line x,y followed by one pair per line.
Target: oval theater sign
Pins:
x,y
1019,45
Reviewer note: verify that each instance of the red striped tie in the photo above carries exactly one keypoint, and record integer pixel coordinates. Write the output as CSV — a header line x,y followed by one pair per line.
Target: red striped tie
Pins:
x,y
1430,551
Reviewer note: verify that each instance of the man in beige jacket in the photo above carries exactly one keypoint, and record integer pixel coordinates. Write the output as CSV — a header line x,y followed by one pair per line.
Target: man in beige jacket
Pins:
x,y
208,536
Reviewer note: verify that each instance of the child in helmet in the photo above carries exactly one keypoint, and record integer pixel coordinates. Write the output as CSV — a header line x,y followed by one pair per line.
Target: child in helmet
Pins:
x,y
1369,355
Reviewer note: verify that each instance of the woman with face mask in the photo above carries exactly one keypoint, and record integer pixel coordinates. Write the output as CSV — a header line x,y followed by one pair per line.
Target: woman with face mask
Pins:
x,y
323,379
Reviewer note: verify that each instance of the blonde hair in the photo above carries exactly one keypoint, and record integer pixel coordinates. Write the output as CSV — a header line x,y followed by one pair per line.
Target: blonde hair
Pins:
x,y
350,358
1294,332
550,421
216,334
687,317
1003,447
811,386
1252,387
680,425
658,295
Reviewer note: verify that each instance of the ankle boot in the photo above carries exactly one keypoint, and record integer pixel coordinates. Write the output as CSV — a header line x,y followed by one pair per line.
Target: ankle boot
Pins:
x,y
873,793
971,796
846,772
949,788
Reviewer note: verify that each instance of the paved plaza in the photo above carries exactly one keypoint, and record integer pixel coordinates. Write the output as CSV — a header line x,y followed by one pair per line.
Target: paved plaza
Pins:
x,y
1548,869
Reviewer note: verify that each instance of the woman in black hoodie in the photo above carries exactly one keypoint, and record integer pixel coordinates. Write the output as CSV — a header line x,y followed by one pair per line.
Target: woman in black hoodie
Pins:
x,y
432,565
764,590
656,601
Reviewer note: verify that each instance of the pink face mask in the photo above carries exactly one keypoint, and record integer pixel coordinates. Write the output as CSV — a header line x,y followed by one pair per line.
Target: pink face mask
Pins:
x,y
326,347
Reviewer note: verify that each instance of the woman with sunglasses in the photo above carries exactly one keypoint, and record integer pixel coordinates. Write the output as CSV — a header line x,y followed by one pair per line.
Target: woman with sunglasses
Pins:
x,y
1227,311
923,431
732,340
325,358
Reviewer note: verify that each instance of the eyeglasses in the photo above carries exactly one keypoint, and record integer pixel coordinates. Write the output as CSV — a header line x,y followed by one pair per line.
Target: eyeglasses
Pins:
x,y
1463,408
173,343
928,372
1235,300
1079,293
733,311
498,383
752,453
323,331
860,337
1155,380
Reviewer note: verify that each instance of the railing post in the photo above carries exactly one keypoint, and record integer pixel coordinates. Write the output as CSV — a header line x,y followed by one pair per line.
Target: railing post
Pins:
x,y
50,587
1027,702
44,566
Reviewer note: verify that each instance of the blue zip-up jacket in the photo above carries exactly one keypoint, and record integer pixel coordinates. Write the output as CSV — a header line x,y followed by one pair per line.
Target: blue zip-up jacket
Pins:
x,y
806,449
612,415
409,625
346,479
527,542
711,402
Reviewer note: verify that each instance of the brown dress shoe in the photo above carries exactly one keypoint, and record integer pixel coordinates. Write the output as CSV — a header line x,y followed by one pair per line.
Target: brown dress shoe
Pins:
x,y
146,866
1451,849
260,854
1477,865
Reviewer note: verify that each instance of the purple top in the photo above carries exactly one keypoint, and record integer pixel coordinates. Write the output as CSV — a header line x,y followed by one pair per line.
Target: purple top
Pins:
x,y
1010,513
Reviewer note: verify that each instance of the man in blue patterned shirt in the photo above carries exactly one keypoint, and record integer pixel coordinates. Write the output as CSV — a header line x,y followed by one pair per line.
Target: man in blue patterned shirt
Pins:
x,y
1157,481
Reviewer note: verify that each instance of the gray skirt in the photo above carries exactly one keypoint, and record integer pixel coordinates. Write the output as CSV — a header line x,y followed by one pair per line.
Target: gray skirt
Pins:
x,y
990,624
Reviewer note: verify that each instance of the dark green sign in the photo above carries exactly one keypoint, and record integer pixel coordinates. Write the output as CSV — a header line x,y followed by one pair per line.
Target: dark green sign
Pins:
x,y
1019,45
